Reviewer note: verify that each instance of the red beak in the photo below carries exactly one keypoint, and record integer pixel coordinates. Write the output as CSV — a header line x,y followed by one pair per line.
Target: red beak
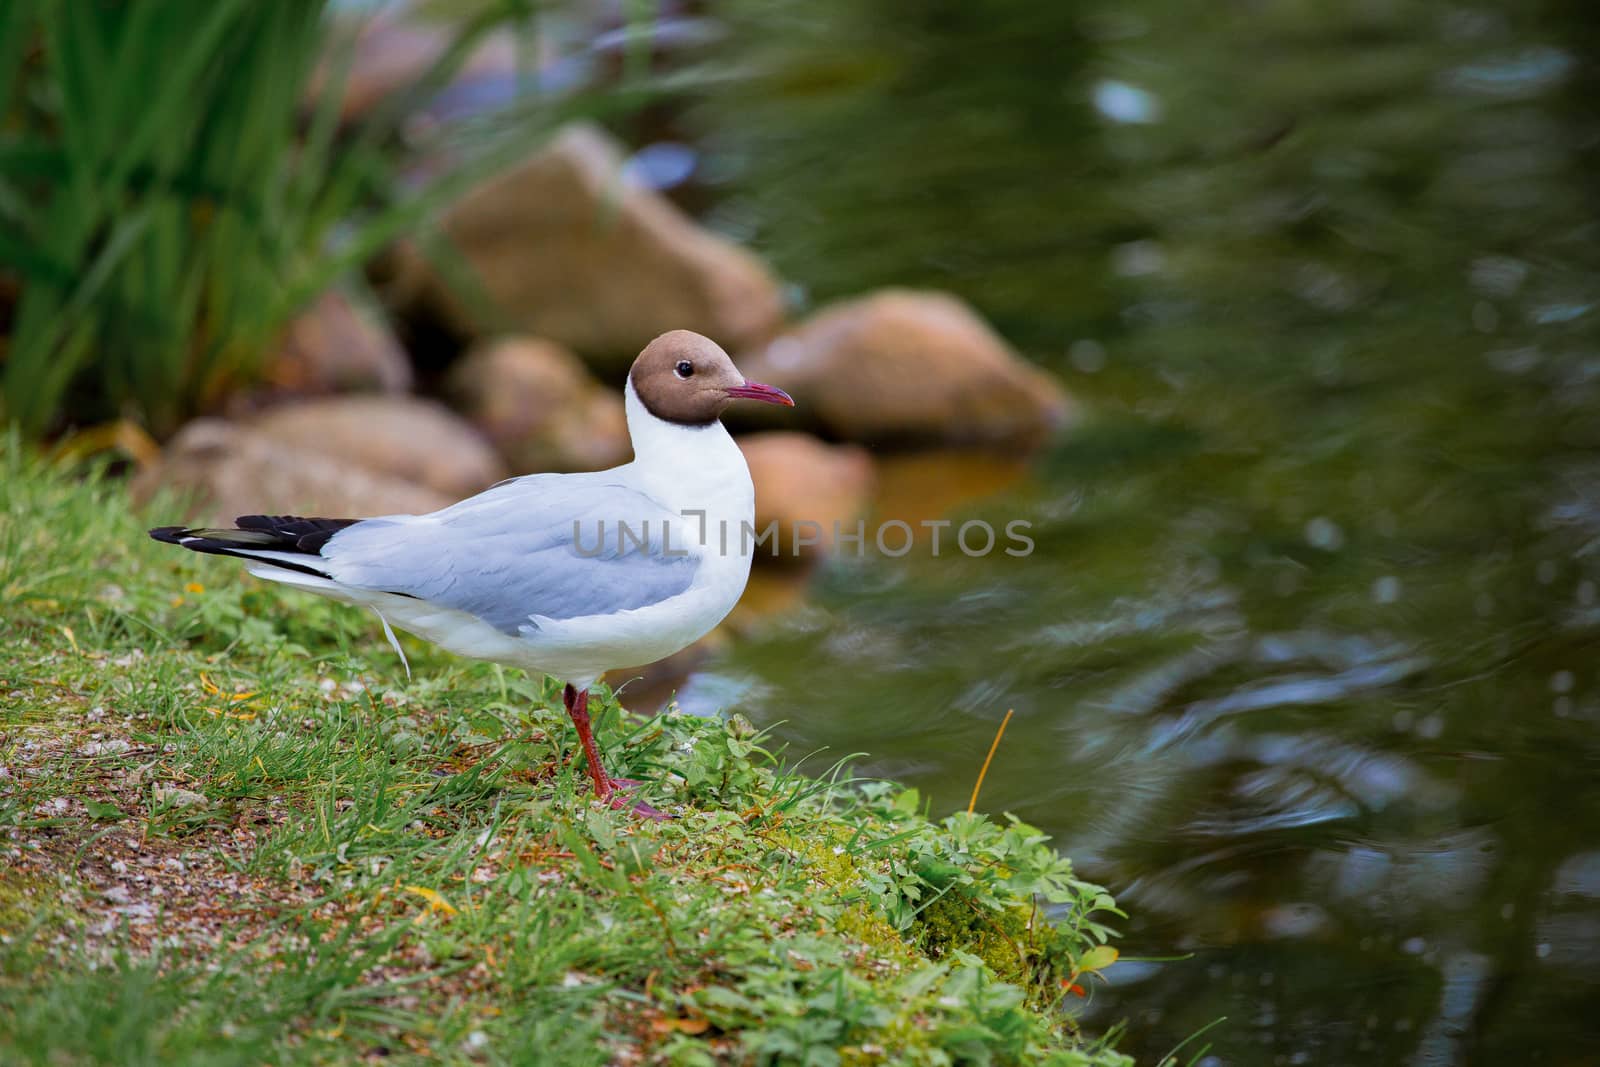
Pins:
x,y
767,394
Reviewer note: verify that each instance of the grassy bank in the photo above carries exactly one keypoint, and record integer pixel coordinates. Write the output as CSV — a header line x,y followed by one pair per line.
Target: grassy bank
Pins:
x,y
231,832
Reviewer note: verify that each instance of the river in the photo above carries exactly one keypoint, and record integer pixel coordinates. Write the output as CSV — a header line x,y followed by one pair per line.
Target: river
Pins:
x,y
1304,663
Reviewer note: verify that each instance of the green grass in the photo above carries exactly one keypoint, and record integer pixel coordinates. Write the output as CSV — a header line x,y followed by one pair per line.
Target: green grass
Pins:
x,y
233,834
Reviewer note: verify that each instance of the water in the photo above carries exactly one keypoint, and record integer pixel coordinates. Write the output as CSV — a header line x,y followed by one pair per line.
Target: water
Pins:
x,y
1304,665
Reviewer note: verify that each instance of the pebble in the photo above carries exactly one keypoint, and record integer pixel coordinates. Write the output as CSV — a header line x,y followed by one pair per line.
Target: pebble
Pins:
x,y
180,798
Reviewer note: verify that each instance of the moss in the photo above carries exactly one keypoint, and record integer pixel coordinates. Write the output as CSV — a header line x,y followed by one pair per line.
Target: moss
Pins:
x,y
1014,942
867,926
26,900
906,1031
1017,946
826,855
1009,942
829,863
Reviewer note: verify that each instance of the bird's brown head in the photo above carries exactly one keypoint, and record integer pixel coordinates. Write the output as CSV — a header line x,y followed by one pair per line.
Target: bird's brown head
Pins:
x,y
688,379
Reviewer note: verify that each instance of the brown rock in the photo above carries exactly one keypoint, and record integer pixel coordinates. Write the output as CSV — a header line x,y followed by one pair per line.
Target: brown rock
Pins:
x,y
572,253
413,440
906,366
335,347
538,405
225,470
801,481
915,487
395,49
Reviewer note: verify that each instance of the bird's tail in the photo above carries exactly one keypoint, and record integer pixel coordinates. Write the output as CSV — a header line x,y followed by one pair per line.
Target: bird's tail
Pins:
x,y
289,541
280,547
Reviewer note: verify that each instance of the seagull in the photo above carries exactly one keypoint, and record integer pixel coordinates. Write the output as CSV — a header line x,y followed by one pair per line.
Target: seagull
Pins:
x,y
569,575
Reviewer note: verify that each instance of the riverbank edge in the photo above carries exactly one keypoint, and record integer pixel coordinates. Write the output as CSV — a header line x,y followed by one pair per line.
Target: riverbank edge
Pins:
x,y
234,833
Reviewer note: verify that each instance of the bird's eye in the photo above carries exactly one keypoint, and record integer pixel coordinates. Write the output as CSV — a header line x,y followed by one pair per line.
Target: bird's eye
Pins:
x,y
684,368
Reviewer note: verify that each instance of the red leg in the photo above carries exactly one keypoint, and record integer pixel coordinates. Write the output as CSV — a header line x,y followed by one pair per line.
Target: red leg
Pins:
x,y
578,708
605,786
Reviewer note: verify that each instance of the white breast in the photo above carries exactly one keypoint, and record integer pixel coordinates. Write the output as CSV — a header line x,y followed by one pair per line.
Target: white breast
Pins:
x,y
700,474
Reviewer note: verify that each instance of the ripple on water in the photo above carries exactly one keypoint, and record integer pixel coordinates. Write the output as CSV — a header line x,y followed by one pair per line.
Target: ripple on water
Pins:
x,y
1579,876
1273,798
1407,878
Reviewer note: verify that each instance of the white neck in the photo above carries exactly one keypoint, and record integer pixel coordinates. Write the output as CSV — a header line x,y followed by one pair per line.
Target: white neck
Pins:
x,y
682,466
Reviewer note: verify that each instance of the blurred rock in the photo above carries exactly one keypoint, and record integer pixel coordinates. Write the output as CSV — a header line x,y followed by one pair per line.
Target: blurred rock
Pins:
x,y
575,46
335,347
538,405
926,485
227,470
799,480
572,253
413,440
771,593
903,366
394,49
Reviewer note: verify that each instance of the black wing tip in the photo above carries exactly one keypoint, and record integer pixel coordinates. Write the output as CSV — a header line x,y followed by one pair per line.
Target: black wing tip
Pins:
x,y
197,541
296,533
256,534
285,533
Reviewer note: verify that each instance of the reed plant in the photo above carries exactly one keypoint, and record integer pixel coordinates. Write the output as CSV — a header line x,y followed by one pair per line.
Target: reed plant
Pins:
x,y
167,203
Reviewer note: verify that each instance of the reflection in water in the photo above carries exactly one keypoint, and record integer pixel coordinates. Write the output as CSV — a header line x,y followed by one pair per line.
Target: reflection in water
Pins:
x,y
918,487
1304,662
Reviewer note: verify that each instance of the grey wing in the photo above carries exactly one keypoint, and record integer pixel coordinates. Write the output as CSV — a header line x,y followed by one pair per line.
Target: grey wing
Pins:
x,y
541,547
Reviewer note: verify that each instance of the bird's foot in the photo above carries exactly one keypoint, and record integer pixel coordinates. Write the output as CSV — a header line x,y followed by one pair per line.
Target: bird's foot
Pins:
x,y
611,790
617,796
642,810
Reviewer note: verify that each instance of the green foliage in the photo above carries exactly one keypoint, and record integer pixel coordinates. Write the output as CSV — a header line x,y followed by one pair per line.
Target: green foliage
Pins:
x,y
420,873
160,205
968,887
